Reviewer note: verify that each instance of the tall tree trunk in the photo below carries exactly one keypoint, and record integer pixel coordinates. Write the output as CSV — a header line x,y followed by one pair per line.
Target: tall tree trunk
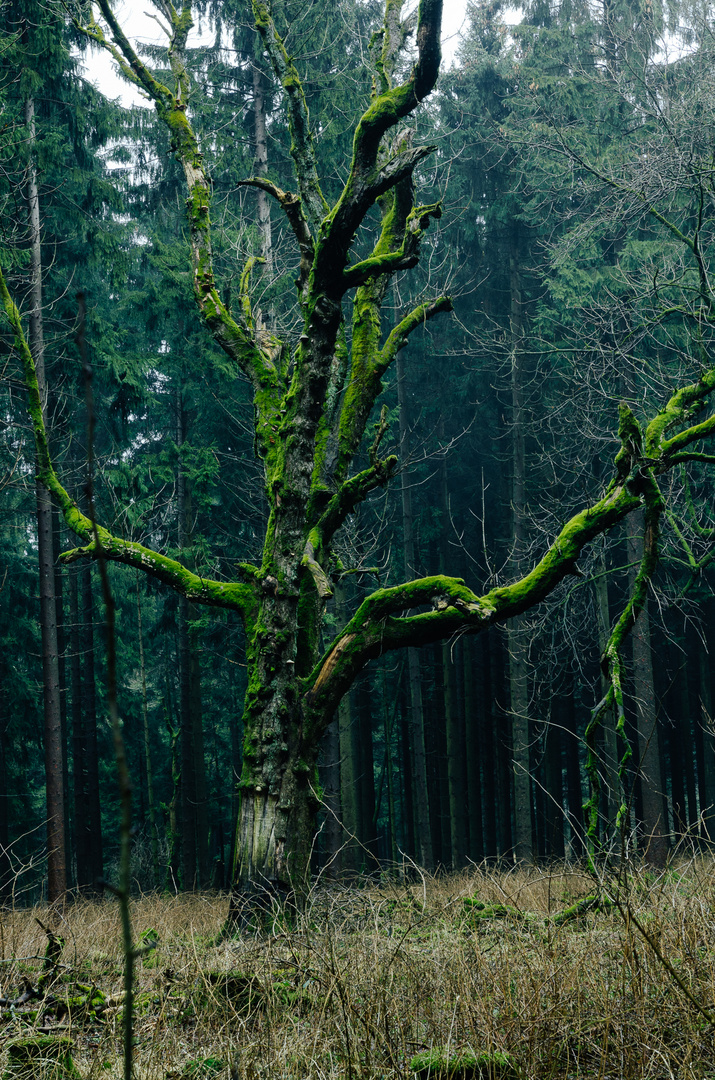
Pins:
x,y
654,816
518,642
453,721
61,658
349,762
331,833
553,795
153,834
422,827
5,864
504,801
437,750
474,724
93,820
688,744
609,770
489,751
81,810
407,788
574,787
707,724
200,786
54,748
188,774
260,83
194,804
368,831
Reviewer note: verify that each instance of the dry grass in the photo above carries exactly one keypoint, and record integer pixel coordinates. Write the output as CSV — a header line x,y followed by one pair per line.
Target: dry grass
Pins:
x,y
372,976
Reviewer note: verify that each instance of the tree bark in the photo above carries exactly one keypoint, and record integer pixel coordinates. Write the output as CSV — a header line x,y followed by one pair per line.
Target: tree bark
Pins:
x,y
349,761
489,751
331,833
153,833
6,876
54,749
518,642
261,162
655,822
93,818
553,794
474,716
707,723
81,810
609,772
453,721
422,827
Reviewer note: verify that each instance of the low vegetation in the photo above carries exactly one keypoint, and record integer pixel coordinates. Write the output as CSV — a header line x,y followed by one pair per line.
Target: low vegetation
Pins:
x,y
391,979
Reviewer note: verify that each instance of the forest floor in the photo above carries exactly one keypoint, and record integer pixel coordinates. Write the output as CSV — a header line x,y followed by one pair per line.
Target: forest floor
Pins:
x,y
495,971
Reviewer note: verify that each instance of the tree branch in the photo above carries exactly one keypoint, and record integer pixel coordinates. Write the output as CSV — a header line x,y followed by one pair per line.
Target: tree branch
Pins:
x,y
370,364
232,595
376,628
233,337
400,334
302,150
293,209
677,411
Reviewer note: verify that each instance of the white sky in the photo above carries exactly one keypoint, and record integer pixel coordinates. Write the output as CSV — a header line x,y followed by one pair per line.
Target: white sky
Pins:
x,y
138,26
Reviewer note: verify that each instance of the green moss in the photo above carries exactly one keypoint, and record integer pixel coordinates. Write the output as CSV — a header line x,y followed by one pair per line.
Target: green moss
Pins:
x,y
438,1064
477,911
202,1068
40,1057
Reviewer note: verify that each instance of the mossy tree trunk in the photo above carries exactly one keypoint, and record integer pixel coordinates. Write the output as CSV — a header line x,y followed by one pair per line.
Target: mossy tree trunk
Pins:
x,y
314,398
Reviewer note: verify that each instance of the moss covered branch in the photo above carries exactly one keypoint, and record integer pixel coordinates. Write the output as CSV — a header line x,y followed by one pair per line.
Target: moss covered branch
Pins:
x,y
370,362
379,625
679,410
237,596
232,335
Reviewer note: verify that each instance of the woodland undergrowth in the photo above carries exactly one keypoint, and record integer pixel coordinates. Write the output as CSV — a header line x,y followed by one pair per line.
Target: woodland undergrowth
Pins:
x,y
372,976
